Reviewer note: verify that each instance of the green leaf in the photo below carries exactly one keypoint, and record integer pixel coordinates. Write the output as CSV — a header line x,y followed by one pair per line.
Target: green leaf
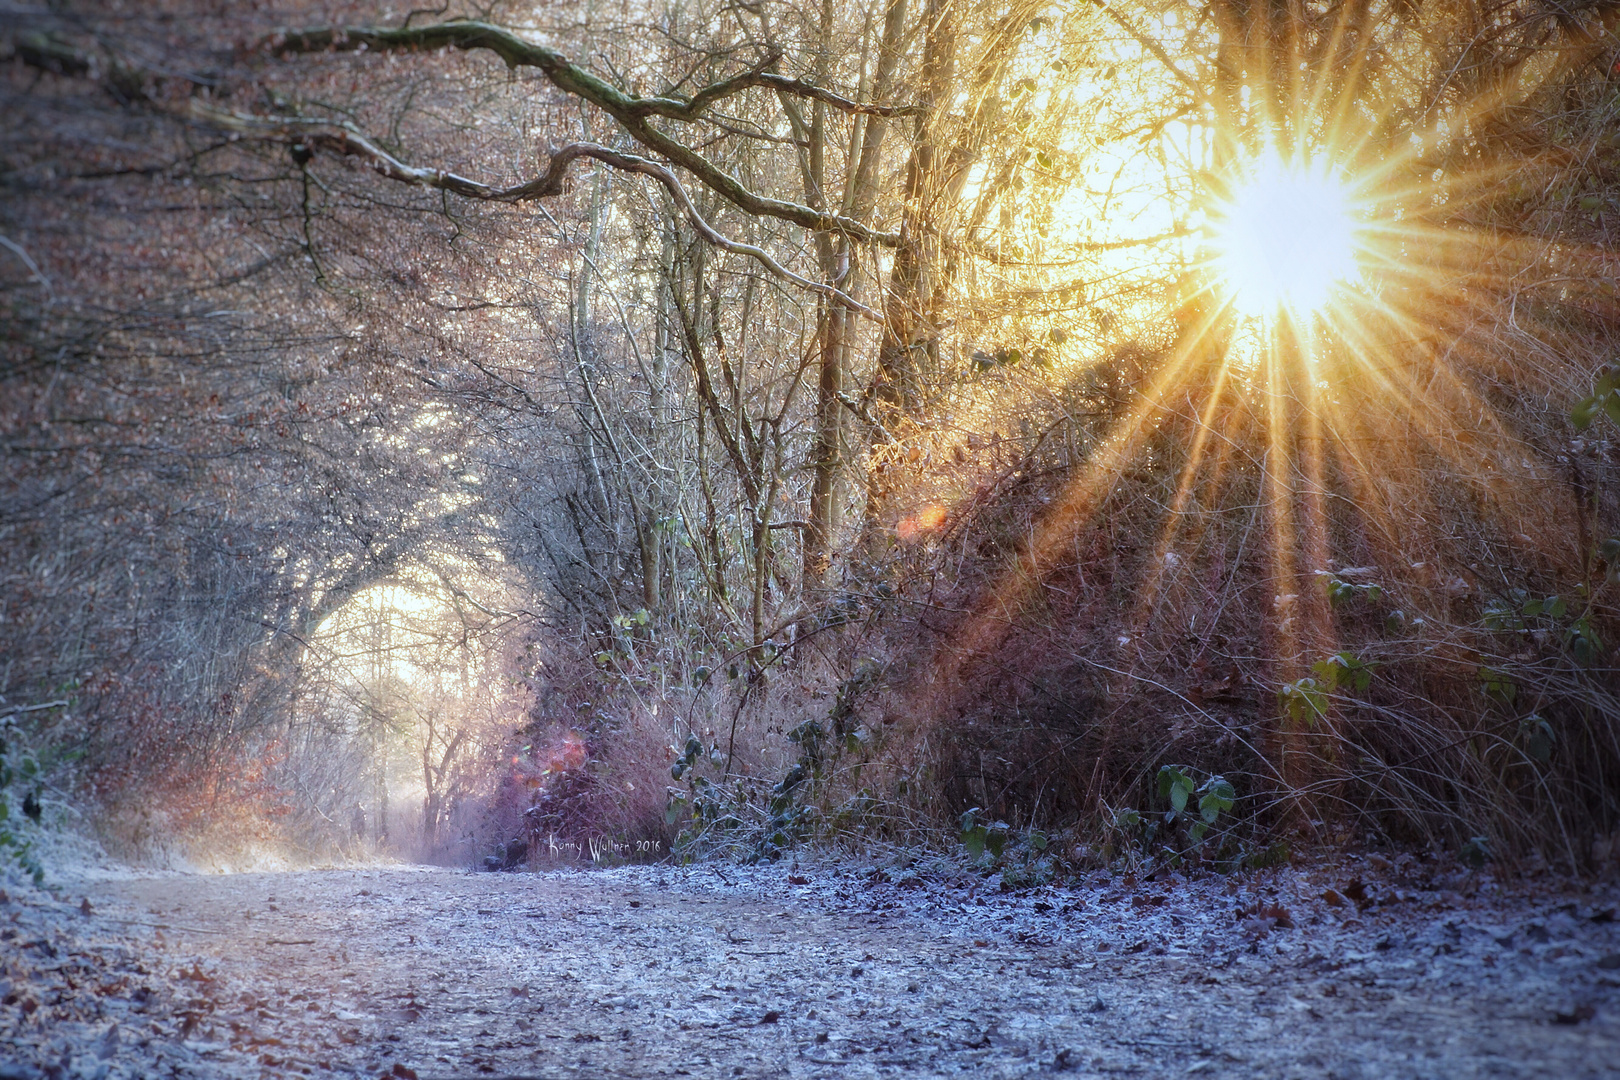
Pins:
x,y
1476,853
1611,406
1037,840
1584,643
1043,159
1539,738
1584,412
1219,795
1498,685
1591,203
1304,701
995,839
700,676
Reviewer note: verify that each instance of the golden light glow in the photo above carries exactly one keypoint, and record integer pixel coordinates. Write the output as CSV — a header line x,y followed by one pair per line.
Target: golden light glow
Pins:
x,y
1285,240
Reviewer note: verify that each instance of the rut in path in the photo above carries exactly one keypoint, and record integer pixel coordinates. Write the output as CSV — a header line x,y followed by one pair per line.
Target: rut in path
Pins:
x,y
836,970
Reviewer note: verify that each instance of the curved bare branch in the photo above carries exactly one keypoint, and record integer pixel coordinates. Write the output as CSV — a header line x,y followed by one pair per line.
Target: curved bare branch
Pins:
x,y
349,142
633,113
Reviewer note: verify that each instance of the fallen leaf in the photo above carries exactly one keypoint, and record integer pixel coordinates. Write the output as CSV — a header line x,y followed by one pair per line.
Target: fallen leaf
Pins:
x,y
1278,915
770,1017
1575,1015
107,1045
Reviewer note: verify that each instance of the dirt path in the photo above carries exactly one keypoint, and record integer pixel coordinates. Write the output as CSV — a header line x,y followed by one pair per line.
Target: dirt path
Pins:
x,y
836,970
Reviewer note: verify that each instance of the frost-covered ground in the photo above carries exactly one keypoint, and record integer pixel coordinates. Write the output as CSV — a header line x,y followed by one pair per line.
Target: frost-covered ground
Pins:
x,y
827,969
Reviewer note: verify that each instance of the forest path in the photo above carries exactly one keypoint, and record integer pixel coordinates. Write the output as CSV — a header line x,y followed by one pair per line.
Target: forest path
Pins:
x,y
835,970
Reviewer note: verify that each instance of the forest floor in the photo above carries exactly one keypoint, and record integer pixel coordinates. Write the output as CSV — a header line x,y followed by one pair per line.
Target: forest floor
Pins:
x,y
830,968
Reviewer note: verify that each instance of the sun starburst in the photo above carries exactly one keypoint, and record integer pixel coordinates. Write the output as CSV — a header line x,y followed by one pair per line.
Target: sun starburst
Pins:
x,y
1285,239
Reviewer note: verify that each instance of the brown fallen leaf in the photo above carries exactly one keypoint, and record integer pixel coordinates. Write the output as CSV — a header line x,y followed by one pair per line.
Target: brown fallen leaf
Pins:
x,y
1333,898
1278,915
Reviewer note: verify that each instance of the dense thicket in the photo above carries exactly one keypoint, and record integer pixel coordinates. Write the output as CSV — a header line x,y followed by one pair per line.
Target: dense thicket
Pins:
x,y
836,403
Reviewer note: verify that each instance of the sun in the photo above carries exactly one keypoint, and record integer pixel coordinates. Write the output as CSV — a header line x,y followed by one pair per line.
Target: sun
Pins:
x,y
1285,239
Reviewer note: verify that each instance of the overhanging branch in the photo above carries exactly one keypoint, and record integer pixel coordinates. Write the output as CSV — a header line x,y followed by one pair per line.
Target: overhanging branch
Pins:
x,y
633,113
349,142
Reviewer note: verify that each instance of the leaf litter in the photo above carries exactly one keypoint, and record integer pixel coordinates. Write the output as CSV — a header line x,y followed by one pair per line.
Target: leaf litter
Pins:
x,y
837,968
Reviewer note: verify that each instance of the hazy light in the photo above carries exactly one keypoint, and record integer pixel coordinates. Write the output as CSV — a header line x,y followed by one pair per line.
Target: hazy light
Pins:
x,y
1285,239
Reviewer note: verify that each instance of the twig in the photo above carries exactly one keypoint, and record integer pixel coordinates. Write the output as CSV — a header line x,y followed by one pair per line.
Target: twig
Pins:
x,y
16,710
160,925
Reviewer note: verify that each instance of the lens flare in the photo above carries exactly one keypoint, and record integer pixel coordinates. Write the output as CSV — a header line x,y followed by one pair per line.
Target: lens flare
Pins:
x,y
1285,239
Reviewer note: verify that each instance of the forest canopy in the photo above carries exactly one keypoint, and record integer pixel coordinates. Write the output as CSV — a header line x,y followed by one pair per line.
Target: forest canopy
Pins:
x,y
1172,425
